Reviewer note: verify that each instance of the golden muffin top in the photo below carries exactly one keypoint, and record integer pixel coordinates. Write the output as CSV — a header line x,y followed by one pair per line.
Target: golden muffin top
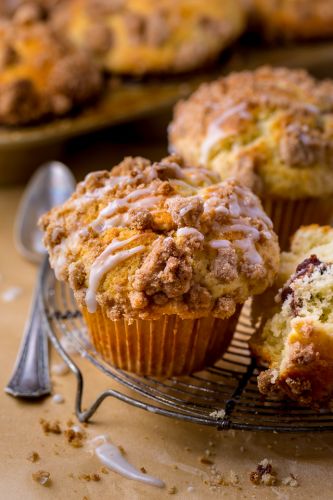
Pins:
x,y
272,129
139,36
294,19
41,75
146,239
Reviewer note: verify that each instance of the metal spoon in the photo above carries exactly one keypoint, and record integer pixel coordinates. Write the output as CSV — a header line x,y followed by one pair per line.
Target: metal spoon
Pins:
x,y
51,185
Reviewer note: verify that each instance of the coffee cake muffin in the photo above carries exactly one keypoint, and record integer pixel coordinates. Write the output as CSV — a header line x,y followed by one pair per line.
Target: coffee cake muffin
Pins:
x,y
145,36
293,19
160,259
41,76
296,342
272,129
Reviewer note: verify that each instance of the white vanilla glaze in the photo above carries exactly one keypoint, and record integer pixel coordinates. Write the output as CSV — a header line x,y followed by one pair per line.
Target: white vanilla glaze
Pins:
x,y
113,459
216,134
106,261
249,250
242,228
219,243
190,231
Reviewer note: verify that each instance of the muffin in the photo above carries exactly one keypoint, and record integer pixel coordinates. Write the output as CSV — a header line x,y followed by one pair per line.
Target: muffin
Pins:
x,y
26,11
293,19
145,36
272,129
41,76
160,259
296,342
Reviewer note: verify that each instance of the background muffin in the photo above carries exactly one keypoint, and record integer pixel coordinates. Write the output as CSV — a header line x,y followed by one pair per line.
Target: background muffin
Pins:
x,y
190,251
144,36
293,19
296,339
40,74
272,129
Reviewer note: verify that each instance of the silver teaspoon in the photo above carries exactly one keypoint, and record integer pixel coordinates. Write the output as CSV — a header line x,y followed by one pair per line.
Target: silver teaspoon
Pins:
x,y
51,185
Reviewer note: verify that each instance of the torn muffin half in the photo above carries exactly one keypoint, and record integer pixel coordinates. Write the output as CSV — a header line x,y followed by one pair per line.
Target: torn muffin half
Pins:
x,y
297,341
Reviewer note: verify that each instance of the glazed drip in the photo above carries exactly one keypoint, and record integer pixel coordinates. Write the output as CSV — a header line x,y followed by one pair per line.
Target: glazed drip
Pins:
x,y
243,229
106,261
249,250
120,181
194,175
190,231
111,457
215,134
219,244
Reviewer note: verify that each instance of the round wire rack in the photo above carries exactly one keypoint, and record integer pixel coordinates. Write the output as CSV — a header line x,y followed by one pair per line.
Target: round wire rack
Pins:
x,y
225,395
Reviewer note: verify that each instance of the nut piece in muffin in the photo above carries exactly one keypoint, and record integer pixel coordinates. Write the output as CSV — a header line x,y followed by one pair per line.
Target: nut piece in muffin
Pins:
x,y
272,129
296,342
41,75
293,19
157,244
137,37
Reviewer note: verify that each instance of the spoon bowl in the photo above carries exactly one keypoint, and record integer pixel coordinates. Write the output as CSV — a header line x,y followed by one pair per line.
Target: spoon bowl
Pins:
x,y
51,185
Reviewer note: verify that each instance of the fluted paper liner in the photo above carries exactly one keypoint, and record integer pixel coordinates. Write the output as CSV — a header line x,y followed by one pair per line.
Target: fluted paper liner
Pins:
x,y
288,215
164,347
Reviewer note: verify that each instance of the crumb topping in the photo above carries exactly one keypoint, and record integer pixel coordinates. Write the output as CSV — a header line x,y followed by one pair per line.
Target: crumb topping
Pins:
x,y
41,74
170,35
271,128
264,474
150,237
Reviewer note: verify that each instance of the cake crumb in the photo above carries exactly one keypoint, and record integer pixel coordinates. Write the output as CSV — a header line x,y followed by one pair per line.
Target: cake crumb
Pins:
x,y
59,369
74,437
290,481
104,470
173,490
143,470
122,450
90,477
33,457
264,474
205,461
42,477
70,423
50,427
218,414
234,479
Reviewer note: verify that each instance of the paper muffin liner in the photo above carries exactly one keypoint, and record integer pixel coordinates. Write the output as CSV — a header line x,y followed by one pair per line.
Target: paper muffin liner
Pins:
x,y
288,215
164,347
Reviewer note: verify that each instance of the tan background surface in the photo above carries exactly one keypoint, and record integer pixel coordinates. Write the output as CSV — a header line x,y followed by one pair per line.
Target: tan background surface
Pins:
x,y
166,448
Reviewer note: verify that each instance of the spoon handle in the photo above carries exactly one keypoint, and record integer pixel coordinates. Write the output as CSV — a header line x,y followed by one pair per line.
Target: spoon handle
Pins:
x,y
31,373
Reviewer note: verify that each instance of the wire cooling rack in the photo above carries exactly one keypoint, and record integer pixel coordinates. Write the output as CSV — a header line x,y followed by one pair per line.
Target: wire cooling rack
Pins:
x,y
224,395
